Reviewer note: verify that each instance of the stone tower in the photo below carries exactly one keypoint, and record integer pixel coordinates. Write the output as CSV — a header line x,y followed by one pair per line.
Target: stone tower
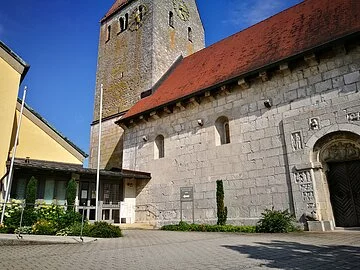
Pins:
x,y
140,40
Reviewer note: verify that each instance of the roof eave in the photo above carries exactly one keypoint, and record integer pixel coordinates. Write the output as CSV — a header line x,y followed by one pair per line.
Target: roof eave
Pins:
x,y
244,74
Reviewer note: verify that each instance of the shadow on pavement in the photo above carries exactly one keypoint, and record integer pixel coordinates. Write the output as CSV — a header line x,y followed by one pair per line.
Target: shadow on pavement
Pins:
x,y
293,255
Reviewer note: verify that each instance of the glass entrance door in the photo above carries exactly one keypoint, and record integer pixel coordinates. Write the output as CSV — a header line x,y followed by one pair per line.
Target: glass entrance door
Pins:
x,y
87,199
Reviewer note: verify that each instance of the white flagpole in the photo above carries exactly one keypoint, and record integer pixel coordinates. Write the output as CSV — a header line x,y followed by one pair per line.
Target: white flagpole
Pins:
x,y
10,176
98,158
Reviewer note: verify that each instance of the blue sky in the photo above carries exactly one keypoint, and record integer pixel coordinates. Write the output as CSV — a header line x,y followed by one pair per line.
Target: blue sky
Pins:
x,y
59,39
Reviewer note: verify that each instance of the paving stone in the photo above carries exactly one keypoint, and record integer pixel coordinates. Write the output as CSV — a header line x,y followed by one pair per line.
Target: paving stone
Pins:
x,y
193,250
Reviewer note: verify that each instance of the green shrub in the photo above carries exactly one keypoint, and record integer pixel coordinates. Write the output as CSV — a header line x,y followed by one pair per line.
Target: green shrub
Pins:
x,y
75,229
221,209
24,230
4,229
58,216
104,230
274,221
183,226
44,227
12,216
71,194
31,191
98,229
29,217
67,218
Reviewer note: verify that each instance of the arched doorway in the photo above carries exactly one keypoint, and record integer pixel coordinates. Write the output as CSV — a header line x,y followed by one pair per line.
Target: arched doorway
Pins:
x,y
339,153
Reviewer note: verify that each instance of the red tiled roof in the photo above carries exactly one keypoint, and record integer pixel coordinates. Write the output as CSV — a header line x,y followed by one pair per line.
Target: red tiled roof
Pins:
x,y
118,4
303,27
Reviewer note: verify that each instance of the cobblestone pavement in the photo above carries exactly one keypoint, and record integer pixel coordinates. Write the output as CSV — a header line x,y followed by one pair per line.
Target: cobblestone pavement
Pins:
x,y
193,250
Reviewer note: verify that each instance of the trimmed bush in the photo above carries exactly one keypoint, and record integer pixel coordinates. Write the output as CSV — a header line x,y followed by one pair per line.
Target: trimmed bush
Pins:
x,y
221,209
31,191
104,230
183,226
274,221
71,194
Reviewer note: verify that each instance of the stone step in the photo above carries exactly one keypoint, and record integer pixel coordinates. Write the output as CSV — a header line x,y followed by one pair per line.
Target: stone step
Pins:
x,y
137,226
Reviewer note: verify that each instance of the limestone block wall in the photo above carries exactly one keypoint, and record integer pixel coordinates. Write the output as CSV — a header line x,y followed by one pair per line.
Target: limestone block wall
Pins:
x,y
124,61
111,145
169,42
132,61
256,165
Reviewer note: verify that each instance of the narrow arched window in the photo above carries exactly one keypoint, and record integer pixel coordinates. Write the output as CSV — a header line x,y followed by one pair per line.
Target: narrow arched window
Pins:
x,y
222,128
159,150
171,19
189,34
122,24
126,21
108,34
141,9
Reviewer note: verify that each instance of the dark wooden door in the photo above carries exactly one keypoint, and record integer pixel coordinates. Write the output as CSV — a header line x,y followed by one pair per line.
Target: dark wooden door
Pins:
x,y
344,185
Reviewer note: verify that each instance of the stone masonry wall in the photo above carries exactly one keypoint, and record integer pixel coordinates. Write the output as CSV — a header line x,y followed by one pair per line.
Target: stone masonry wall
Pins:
x,y
171,42
111,145
254,166
132,62
124,61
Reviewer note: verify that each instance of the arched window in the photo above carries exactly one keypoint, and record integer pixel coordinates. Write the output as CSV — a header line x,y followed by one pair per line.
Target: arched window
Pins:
x,y
159,150
189,34
126,21
122,24
171,19
222,134
108,33
141,9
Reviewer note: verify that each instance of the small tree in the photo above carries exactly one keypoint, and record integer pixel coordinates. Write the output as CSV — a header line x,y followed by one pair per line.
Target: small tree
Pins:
x,y
71,194
221,209
31,192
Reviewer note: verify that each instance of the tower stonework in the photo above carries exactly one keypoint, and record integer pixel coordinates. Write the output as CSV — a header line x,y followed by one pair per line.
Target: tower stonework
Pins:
x,y
139,42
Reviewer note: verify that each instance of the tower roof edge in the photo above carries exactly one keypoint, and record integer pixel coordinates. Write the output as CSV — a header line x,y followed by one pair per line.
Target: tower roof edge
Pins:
x,y
114,8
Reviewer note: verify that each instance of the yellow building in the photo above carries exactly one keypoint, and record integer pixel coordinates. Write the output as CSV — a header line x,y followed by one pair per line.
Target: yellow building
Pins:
x,y
44,153
38,140
12,71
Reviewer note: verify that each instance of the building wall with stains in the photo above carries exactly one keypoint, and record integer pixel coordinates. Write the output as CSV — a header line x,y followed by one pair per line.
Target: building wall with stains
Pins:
x,y
269,161
132,61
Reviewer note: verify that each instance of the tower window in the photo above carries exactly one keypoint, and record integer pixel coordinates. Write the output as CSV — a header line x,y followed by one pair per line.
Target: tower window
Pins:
x,y
189,34
122,24
222,134
171,19
159,151
126,20
108,34
141,9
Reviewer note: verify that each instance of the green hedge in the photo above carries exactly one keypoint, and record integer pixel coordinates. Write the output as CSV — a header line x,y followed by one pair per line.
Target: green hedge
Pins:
x,y
183,226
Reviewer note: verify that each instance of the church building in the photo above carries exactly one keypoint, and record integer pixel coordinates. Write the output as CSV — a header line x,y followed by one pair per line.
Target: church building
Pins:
x,y
273,111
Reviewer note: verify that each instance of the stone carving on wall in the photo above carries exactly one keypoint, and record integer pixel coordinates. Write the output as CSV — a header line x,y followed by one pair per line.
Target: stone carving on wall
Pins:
x,y
314,123
296,141
353,116
341,151
303,177
304,180
311,205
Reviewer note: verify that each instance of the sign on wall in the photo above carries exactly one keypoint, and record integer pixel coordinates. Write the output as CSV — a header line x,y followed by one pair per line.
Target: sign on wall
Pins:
x,y
187,195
